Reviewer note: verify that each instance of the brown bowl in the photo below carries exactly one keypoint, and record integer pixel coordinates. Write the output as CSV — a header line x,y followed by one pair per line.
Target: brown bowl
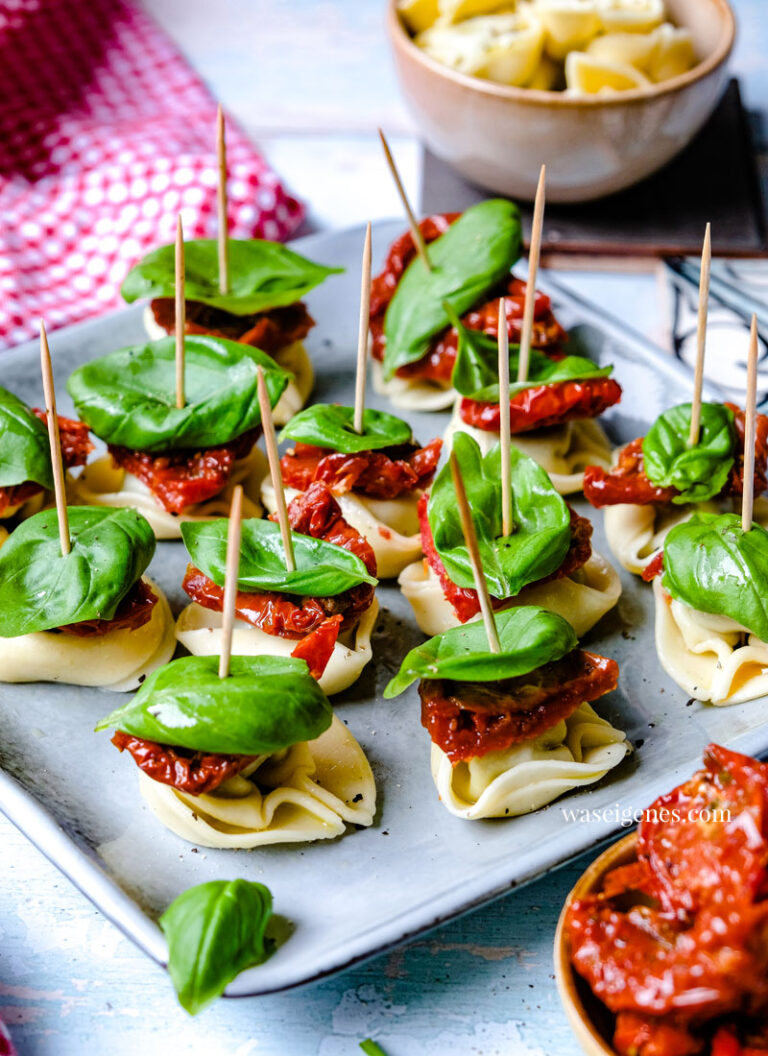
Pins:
x,y
499,136
571,988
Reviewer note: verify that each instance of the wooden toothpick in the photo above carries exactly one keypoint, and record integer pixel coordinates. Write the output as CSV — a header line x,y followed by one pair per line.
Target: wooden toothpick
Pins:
x,y
504,425
418,238
221,201
274,471
231,577
534,253
181,314
750,411
470,538
362,333
701,337
55,442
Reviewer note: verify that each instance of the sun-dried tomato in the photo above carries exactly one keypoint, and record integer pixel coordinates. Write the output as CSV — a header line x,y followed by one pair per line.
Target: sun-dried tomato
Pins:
x,y
545,405
181,479
270,331
385,474
680,938
75,442
133,612
437,364
75,448
196,773
317,647
654,568
469,719
464,599
316,512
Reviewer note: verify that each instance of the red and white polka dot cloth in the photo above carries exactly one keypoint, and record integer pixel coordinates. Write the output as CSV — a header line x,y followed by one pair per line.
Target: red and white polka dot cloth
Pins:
x,y
105,134
6,1045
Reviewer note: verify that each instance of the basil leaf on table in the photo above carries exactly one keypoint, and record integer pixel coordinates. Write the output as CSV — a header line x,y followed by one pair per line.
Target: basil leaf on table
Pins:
x,y
468,260
215,931
24,451
262,275
265,704
541,534
129,397
476,370
40,589
529,637
329,425
322,569
699,472
713,566
370,1048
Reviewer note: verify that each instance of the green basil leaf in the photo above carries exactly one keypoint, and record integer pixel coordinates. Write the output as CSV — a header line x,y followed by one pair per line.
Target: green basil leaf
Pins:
x,y
529,636
214,932
700,472
262,275
468,260
541,534
713,566
267,703
370,1048
322,569
40,589
329,425
24,451
476,370
129,397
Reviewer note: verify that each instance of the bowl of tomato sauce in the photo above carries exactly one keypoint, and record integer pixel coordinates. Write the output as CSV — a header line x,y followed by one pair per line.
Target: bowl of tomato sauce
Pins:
x,y
662,946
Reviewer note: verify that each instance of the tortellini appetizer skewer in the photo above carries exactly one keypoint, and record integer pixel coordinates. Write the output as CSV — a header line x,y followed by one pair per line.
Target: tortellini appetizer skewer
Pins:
x,y
175,464
324,611
512,731
90,618
552,412
659,481
377,476
413,339
253,759
548,559
710,586
262,307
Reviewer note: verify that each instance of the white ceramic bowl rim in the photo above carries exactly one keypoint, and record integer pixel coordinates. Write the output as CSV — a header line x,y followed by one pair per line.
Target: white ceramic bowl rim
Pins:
x,y
536,97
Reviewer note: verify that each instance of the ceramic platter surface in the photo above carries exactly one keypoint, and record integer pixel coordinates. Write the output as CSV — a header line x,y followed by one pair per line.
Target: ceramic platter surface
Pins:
x,y
78,799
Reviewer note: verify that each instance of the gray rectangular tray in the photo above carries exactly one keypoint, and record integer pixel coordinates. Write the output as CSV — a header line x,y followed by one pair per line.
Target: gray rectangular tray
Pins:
x,y
77,799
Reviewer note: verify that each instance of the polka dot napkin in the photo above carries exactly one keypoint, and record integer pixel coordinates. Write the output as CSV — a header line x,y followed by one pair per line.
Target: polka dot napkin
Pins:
x,y
105,134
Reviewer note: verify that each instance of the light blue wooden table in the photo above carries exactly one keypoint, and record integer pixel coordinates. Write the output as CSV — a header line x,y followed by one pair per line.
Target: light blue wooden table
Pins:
x,y
70,984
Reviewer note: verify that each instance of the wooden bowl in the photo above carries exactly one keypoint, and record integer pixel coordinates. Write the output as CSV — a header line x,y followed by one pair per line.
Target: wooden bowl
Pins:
x,y
571,988
498,136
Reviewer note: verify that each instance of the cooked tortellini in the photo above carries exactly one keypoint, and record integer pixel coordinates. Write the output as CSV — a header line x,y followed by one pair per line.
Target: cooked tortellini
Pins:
x,y
578,751
587,47
505,48
391,526
582,598
310,791
293,358
636,533
102,483
119,660
711,657
200,630
564,451
413,394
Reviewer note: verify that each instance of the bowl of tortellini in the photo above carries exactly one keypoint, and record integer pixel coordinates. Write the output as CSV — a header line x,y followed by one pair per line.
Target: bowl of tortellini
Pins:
x,y
605,92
